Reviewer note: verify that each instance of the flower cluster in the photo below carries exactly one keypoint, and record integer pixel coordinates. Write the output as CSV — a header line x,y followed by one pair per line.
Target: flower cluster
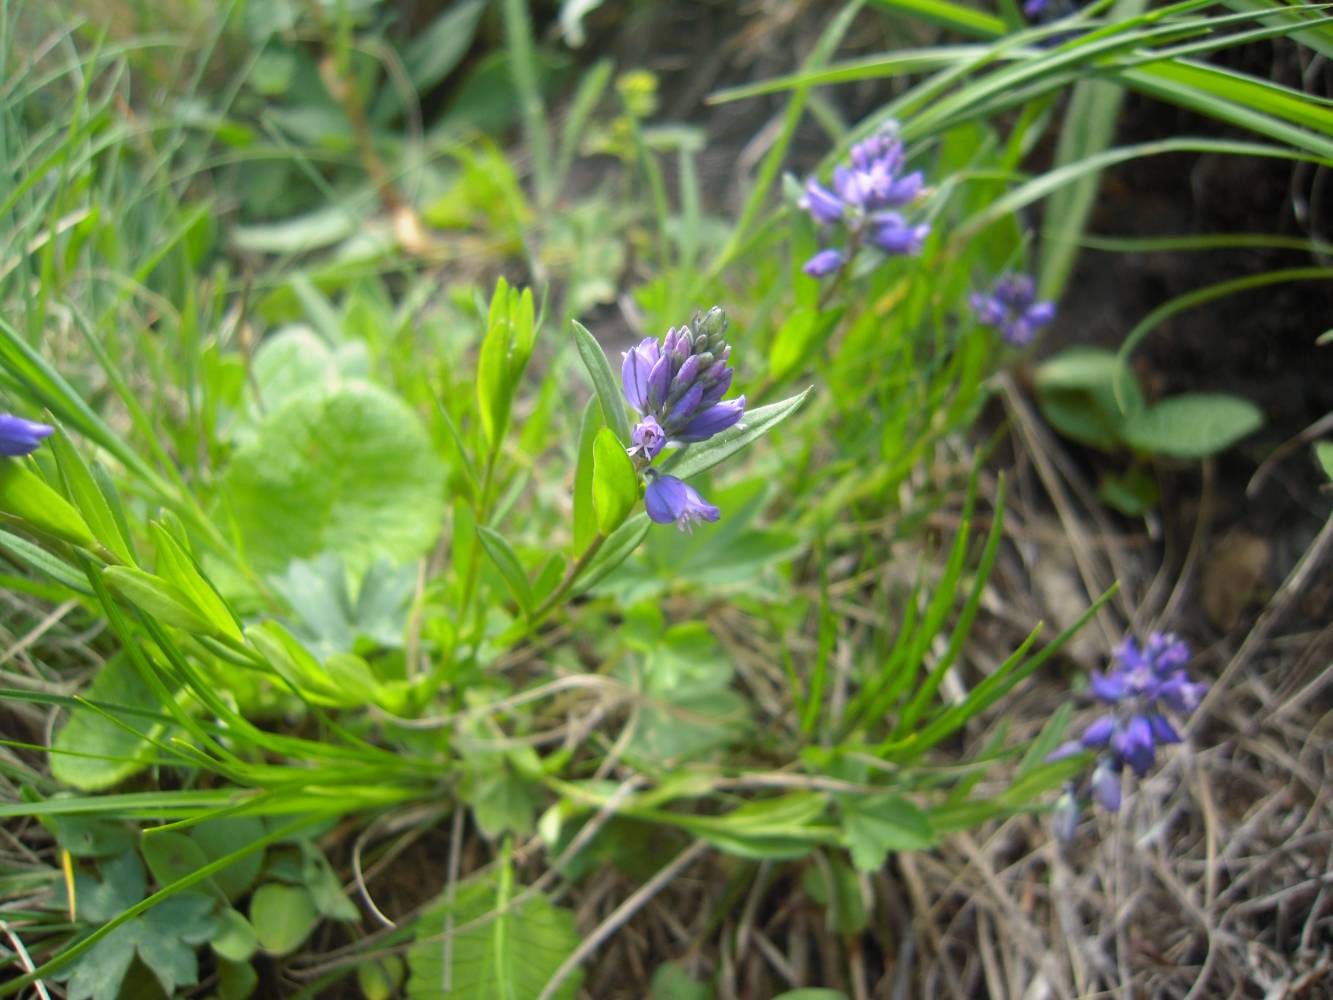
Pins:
x,y
1013,309
676,385
19,436
1144,683
867,192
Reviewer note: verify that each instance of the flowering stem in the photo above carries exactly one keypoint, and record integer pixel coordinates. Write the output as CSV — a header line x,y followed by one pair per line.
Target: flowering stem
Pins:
x,y
570,578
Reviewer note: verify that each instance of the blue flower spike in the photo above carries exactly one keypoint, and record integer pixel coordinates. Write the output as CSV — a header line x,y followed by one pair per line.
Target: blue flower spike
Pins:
x,y
1143,684
21,437
1011,307
868,189
676,385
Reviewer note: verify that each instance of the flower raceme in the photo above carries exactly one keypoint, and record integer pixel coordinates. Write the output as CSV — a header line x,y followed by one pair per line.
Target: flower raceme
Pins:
x,y
867,192
1144,683
676,385
1012,308
21,437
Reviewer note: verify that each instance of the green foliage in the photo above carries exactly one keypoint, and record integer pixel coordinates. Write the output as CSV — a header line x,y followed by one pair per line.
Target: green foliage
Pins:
x,y
354,550
497,946
163,938
1090,396
350,473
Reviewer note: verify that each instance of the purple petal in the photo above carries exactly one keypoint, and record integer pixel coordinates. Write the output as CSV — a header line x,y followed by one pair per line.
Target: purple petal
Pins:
x,y
634,372
718,380
1040,314
19,436
1106,786
658,380
710,421
824,263
894,237
1162,730
668,499
1099,733
823,205
905,190
1107,687
683,410
1066,749
648,438
1133,744
686,375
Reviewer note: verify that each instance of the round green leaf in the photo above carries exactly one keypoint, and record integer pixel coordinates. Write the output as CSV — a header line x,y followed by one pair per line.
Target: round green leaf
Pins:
x,y
235,939
219,837
1192,425
351,473
283,916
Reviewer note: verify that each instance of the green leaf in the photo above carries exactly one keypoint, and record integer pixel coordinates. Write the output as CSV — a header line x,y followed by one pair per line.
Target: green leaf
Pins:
x,y
603,382
510,957
236,980
672,982
501,800
168,935
171,856
585,519
803,328
120,747
283,916
236,939
434,52
29,501
300,234
380,978
816,992
688,707
1323,452
507,562
99,973
218,838
874,825
351,473
89,499
156,597
754,425
177,566
1192,425
615,484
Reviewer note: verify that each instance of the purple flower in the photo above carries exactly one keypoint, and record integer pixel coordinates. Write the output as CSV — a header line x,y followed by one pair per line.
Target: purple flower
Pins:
x,y
669,499
894,236
1133,744
712,420
824,206
19,436
1099,733
1143,683
824,263
648,438
865,191
677,385
1010,307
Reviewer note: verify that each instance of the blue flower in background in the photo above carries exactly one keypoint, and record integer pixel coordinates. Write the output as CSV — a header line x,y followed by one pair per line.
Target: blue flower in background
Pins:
x,y
866,192
1144,683
19,436
1012,308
